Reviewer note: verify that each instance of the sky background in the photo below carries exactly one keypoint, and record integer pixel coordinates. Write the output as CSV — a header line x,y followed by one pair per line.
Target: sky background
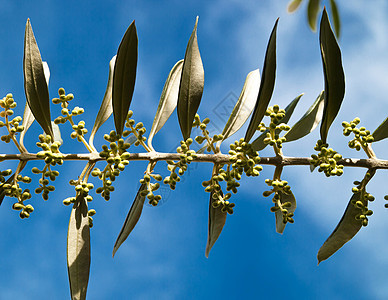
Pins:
x,y
164,256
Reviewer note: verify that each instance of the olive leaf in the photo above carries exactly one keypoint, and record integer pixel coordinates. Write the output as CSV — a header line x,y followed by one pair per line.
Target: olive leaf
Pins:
x,y
244,105
293,5
106,108
168,100
266,87
333,73
78,249
258,144
28,117
336,18
347,227
35,85
217,220
131,219
124,77
191,85
280,226
381,132
312,13
2,192
308,122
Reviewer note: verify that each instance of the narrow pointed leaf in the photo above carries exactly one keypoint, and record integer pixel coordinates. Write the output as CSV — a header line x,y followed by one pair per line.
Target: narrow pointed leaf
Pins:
x,y
280,226
217,220
312,13
124,77
266,87
28,117
245,104
333,73
168,100
258,144
191,85
381,132
346,229
336,18
78,249
308,122
106,108
293,5
35,85
131,219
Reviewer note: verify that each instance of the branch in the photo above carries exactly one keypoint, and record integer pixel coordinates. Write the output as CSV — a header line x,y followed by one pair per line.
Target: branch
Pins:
x,y
371,163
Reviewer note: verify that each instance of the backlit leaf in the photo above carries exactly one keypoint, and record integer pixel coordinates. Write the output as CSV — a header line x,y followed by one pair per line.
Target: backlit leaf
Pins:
x,y
131,219
191,85
336,18
381,132
106,108
78,249
35,84
245,104
168,100
124,77
258,144
312,13
346,229
293,5
266,87
217,220
280,226
28,117
308,122
333,73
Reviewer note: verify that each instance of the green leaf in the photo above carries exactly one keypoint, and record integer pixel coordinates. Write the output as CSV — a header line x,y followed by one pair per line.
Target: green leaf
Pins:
x,y
266,87
106,108
168,100
28,117
124,77
293,5
381,132
258,144
245,104
308,122
131,219
78,249
191,85
336,18
35,85
217,220
333,73
346,229
280,226
312,13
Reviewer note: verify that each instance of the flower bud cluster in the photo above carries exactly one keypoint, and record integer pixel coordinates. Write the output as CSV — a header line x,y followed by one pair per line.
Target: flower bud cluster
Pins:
x,y
116,156
137,129
91,213
327,160
244,160
13,189
212,186
151,188
361,202
362,137
275,127
205,133
186,157
13,126
3,174
278,187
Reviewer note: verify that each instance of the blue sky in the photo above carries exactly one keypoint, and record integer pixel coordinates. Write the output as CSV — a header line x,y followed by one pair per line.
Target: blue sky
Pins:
x,y
164,256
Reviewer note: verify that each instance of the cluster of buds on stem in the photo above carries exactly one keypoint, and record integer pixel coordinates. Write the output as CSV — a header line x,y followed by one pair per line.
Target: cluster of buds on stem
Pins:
x,y
13,126
151,188
360,201
327,160
362,137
